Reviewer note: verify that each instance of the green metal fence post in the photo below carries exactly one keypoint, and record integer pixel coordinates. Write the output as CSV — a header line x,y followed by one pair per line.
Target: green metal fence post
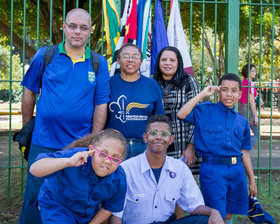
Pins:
x,y
10,100
271,96
232,36
51,19
232,41
23,73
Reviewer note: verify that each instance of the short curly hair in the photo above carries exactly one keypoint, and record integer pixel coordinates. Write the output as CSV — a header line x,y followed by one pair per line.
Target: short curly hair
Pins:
x,y
159,118
230,77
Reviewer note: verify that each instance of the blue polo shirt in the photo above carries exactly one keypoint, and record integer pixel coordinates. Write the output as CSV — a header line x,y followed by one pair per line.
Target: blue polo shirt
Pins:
x,y
70,90
132,103
219,131
80,190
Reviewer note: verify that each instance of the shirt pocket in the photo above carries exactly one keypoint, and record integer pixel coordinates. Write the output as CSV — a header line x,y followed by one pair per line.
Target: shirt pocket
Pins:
x,y
171,198
238,136
213,135
136,204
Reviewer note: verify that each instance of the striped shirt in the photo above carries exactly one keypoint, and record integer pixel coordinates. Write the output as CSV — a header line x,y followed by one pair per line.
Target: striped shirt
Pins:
x,y
182,131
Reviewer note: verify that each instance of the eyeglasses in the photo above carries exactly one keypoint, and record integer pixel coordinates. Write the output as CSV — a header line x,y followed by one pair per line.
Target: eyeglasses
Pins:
x,y
104,156
163,134
73,26
127,56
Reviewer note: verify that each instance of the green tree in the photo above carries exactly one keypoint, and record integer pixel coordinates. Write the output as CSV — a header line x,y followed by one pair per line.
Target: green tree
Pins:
x,y
265,31
5,68
44,22
196,16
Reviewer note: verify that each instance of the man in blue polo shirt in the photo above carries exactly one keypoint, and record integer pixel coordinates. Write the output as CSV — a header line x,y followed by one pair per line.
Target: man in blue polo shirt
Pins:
x,y
72,103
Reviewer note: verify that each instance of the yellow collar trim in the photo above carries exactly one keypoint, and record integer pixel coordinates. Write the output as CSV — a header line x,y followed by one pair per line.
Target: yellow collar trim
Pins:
x,y
78,60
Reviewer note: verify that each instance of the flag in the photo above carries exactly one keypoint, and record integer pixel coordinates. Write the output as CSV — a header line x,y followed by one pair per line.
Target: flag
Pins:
x,y
176,36
112,25
159,38
170,5
140,13
144,40
130,35
128,29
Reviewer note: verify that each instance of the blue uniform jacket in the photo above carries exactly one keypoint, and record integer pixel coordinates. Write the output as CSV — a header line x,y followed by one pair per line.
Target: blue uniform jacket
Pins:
x,y
219,131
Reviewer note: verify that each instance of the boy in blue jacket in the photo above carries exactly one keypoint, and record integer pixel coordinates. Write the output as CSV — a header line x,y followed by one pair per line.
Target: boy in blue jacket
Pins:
x,y
222,137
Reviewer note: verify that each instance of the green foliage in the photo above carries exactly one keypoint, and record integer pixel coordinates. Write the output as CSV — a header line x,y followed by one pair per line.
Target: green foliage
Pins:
x,y
199,18
38,27
5,69
260,30
205,74
200,15
3,40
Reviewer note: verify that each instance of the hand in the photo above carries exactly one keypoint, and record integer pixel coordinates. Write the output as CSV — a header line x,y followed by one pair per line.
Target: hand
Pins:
x,y
209,90
80,158
215,217
253,189
189,155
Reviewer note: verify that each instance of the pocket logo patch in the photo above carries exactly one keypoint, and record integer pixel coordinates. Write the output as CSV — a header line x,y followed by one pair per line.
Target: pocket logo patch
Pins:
x,y
91,76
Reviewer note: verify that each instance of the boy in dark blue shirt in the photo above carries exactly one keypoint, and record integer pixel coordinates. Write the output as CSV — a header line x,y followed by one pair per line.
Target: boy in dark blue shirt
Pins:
x,y
222,137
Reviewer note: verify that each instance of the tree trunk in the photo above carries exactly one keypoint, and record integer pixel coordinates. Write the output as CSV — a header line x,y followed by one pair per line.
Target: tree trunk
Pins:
x,y
17,40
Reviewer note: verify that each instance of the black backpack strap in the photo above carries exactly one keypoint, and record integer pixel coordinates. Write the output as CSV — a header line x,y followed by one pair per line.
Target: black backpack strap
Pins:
x,y
48,57
94,61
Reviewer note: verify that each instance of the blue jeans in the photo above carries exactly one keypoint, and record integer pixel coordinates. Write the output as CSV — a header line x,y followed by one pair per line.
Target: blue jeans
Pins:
x,y
134,147
242,108
30,213
191,219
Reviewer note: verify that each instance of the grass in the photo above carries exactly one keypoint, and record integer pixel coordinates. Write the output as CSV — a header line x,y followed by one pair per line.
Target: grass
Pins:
x,y
269,202
10,206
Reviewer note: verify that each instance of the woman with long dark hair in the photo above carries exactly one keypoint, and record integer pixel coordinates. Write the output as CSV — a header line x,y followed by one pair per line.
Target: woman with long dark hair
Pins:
x,y
177,88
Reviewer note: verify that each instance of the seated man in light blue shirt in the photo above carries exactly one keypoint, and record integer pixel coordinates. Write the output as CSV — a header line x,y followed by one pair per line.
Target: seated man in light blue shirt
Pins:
x,y
156,183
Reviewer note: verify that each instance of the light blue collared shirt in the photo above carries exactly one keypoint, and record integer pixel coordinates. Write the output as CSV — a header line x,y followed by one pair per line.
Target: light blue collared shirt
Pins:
x,y
146,201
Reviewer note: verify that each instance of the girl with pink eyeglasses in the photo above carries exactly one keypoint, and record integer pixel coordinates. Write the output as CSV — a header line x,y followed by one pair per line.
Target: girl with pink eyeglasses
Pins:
x,y
80,179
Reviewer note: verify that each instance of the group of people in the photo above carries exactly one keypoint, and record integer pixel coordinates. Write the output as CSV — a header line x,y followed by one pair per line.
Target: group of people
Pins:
x,y
87,124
